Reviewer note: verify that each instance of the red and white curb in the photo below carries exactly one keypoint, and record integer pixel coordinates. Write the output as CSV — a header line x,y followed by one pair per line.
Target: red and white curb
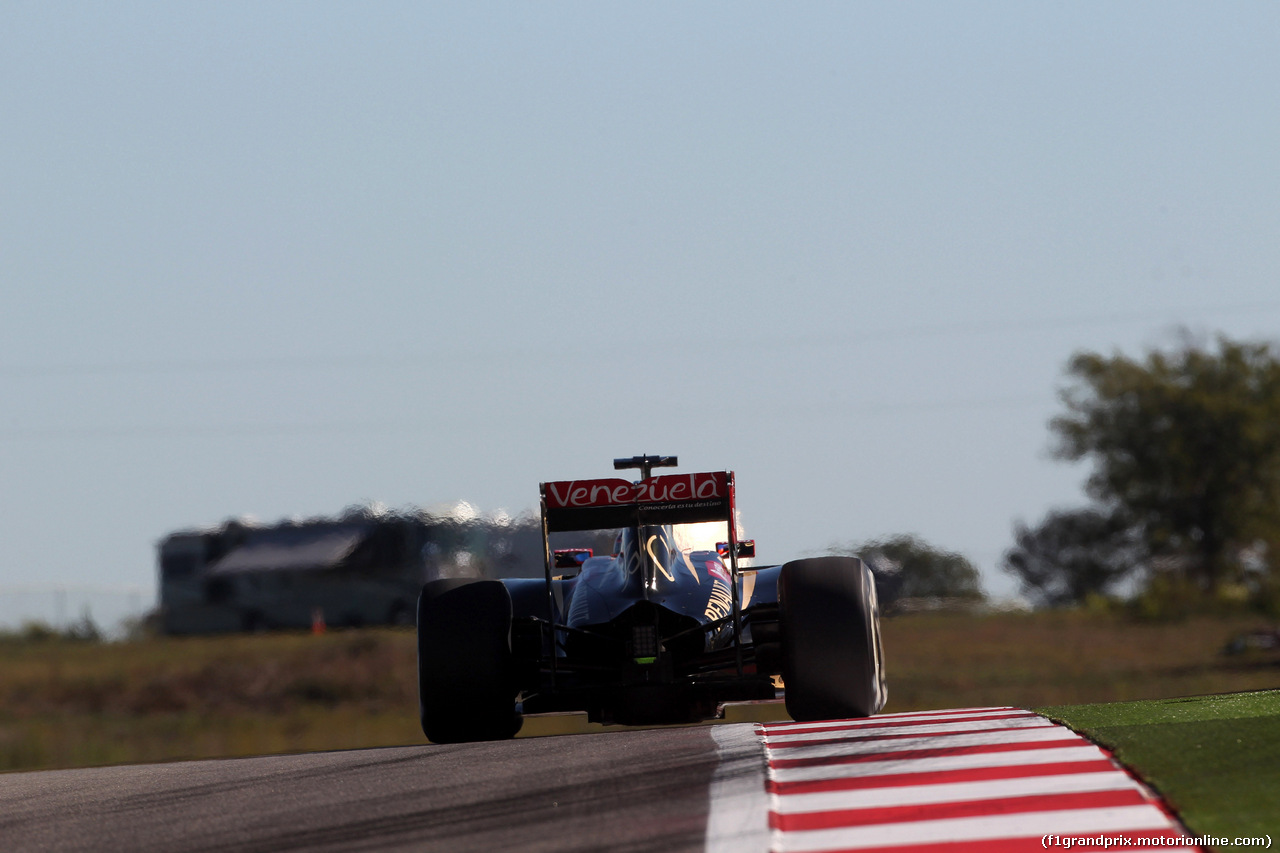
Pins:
x,y
957,781
974,779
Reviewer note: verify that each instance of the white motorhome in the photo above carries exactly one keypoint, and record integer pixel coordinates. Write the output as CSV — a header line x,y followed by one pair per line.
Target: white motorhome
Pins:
x,y
361,569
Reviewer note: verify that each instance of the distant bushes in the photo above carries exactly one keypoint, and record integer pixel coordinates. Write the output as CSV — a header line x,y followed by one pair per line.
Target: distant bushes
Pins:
x,y
84,630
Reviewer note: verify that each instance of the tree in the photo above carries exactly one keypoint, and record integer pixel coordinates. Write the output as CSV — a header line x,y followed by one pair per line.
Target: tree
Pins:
x,y
1186,449
1073,554
907,567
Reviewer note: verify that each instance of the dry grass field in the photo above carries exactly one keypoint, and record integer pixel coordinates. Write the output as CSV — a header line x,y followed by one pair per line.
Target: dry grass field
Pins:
x,y
72,704
65,704
1065,658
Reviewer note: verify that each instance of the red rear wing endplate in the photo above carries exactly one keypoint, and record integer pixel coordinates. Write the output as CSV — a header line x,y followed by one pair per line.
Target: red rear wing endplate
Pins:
x,y
613,503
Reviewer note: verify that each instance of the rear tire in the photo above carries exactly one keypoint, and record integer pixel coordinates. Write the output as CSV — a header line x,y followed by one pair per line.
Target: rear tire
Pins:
x,y
466,675
832,662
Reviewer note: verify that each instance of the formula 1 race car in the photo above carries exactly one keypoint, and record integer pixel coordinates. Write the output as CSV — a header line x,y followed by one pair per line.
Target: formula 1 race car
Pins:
x,y
661,631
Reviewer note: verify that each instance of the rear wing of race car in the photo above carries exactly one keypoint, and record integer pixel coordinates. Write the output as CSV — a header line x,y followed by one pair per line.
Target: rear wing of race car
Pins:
x,y
569,505
610,503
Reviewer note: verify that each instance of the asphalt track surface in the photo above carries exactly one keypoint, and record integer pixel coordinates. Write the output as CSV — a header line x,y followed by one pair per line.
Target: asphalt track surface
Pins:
x,y
974,780
619,791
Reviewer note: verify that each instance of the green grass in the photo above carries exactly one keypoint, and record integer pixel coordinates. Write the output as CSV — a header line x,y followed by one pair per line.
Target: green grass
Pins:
x,y
1215,759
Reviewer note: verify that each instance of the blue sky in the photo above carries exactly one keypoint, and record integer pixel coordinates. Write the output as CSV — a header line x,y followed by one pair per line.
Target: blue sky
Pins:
x,y
278,259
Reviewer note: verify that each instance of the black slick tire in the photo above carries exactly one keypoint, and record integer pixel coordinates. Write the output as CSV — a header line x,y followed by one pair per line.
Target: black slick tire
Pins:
x,y
832,662
466,674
